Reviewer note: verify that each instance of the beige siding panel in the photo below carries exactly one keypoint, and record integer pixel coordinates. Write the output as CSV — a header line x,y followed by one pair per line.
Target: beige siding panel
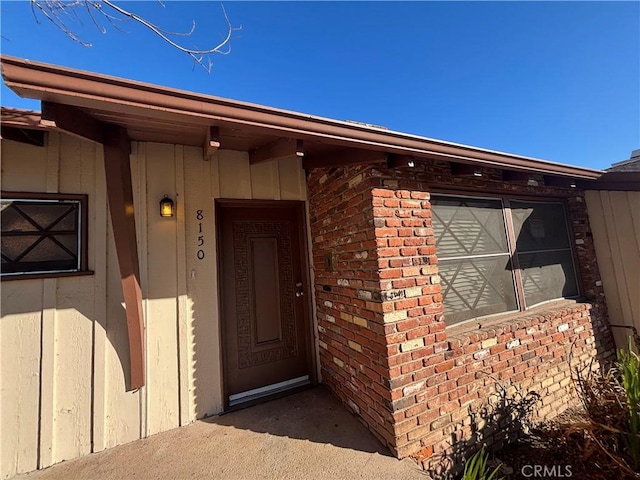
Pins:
x,y
73,331
19,375
73,325
605,260
98,263
202,282
265,181
162,374
214,168
234,173
293,185
22,167
612,218
54,144
48,362
139,185
634,204
122,421
48,336
627,242
616,256
184,319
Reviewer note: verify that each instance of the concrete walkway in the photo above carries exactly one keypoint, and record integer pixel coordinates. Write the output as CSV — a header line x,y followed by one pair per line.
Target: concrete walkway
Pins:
x,y
308,435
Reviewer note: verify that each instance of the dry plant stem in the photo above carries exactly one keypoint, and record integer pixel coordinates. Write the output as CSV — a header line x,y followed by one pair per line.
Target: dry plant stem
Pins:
x,y
606,404
615,459
61,13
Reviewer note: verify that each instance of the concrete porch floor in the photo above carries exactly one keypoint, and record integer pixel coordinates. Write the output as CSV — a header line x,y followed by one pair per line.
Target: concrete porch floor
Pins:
x,y
308,435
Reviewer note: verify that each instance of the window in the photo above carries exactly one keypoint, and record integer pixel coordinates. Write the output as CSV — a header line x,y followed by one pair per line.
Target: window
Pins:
x,y
497,255
42,234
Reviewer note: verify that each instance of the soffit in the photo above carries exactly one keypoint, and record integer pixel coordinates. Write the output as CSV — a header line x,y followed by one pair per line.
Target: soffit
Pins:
x,y
153,113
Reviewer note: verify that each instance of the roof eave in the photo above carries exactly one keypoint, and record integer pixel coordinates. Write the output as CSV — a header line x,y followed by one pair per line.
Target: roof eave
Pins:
x,y
45,82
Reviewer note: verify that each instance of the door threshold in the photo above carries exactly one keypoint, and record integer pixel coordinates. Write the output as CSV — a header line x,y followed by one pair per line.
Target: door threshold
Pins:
x,y
257,393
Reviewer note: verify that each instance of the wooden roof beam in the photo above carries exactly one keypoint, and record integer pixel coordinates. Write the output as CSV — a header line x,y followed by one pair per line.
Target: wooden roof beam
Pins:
x,y
211,142
349,156
281,148
121,209
72,121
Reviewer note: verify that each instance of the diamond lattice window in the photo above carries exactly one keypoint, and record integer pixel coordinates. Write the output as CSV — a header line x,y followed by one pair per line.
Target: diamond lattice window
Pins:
x,y
544,251
498,256
41,235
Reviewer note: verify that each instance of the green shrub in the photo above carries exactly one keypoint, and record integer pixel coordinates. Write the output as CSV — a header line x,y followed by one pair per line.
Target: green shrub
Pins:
x,y
629,365
476,467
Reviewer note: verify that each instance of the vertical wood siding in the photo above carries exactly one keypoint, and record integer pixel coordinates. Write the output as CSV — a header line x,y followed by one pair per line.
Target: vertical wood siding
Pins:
x,y
615,222
63,342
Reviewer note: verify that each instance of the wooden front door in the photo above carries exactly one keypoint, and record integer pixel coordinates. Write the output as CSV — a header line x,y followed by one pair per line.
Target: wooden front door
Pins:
x,y
264,288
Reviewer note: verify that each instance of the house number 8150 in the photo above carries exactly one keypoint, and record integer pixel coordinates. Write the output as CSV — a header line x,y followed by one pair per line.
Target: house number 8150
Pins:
x,y
200,217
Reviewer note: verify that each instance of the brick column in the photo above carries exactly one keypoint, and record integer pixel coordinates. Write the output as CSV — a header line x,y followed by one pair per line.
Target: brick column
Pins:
x,y
412,306
379,303
351,329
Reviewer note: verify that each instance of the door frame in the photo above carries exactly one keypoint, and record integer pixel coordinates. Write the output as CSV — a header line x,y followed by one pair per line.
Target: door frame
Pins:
x,y
309,334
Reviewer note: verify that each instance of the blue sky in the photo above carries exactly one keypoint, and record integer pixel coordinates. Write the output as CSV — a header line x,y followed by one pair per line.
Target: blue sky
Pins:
x,y
553,80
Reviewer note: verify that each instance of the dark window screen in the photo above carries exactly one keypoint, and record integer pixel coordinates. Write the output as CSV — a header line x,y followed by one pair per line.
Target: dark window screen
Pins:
x,y
477,270
544,251
474,260
40,235
468,226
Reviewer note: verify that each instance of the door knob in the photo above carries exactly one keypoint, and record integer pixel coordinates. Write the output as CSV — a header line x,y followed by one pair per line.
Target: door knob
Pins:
x,y
299,294
299,291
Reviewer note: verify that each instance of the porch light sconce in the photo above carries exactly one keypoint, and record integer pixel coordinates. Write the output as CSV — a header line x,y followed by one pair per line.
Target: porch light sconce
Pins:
x,y
166,207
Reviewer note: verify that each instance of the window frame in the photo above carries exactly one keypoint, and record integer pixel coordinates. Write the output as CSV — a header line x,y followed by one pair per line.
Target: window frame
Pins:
x,y
506,199
83,230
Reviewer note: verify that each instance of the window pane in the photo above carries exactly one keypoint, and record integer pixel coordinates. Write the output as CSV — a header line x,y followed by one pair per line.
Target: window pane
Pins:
x,y
39,236
69,221
13,221
547,276
47,249
468,226
539,226
13,247
476,287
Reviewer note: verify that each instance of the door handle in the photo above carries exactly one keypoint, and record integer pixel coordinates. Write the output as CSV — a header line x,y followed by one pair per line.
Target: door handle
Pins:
x,y
299,294
299,291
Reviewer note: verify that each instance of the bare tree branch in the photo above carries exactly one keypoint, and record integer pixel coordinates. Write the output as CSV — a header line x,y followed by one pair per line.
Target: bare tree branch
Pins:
x,y
63,14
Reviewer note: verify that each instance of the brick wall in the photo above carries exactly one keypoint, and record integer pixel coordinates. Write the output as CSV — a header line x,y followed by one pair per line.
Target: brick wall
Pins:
x,y
353,350
420,387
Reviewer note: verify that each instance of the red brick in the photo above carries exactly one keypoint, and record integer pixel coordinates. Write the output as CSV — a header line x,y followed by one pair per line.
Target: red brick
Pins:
x,y
444,366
